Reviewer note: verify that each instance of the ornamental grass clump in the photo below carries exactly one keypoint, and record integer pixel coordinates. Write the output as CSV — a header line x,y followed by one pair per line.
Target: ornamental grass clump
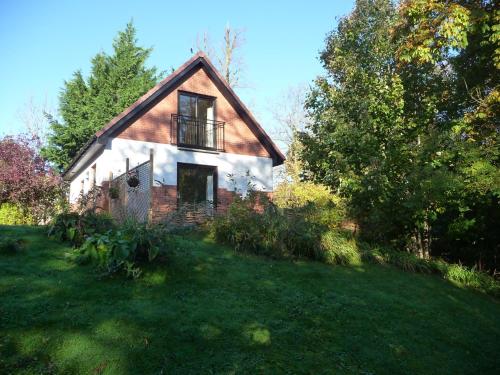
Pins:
x,y
336,248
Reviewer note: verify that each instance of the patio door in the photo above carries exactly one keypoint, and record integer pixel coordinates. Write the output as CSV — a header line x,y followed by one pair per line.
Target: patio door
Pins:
x,y
196,185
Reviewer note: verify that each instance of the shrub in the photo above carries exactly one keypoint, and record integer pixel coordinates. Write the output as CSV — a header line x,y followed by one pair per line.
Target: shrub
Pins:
x,y
239,227
336,248
73,227
124,249
12,214
275,232
11,246
329,209
26,179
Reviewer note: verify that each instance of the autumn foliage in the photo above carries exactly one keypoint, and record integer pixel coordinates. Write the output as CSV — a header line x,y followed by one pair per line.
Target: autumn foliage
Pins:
x,y
26,180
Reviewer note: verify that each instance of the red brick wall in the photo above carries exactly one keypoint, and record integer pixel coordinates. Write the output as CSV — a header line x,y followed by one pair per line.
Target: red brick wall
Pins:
x,y
155,124
224,199
165,200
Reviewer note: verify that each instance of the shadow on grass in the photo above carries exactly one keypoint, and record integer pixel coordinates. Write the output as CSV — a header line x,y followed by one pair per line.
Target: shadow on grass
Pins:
x,y
211,310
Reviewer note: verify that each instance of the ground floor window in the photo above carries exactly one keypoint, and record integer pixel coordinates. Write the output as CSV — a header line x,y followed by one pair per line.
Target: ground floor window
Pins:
x,y
196,184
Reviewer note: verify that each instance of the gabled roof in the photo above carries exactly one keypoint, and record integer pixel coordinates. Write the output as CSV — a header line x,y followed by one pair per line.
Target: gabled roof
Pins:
x,y
168,84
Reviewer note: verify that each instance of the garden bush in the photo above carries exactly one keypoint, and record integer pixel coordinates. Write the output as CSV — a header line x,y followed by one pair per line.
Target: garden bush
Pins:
x,y
12,214
275,232
74,227
124,249
329,209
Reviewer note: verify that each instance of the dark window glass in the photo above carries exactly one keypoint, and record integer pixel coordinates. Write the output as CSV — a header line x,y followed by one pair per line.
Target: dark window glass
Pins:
x,y
187,105
196,184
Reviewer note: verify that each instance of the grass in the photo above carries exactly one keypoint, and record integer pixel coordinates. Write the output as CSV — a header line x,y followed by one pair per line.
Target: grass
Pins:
x,y
210,310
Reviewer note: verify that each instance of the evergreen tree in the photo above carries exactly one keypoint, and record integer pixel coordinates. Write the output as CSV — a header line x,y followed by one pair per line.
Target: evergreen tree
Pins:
x,y
86,105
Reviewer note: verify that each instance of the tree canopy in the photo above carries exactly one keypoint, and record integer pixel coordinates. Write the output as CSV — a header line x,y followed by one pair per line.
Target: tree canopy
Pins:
x,y
87,104
405,124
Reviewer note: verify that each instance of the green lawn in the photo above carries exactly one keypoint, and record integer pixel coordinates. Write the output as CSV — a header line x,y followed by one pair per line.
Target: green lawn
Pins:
x,y
209,310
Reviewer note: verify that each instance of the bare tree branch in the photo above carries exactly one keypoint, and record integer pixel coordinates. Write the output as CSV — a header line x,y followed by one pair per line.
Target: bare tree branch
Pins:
x,y
33,117
228,56
291,119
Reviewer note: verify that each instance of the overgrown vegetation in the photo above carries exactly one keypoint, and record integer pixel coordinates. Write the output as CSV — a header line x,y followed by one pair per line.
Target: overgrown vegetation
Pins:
x,y
276,232
303,232
74,227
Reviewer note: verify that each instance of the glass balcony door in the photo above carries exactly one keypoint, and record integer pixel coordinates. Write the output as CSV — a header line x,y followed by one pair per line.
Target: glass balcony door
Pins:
x,y
196,125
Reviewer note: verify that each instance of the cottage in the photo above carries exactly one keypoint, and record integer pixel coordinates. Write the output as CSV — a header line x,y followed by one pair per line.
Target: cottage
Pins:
x,y
203,142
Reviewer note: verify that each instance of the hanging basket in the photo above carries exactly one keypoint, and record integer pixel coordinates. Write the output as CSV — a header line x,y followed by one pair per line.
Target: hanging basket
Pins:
x,y
132,179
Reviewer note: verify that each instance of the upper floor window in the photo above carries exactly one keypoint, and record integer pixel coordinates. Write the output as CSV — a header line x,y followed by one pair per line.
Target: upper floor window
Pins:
x,y
196,125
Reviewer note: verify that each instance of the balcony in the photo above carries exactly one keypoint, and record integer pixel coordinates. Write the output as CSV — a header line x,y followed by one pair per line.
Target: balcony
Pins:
x,y
198,133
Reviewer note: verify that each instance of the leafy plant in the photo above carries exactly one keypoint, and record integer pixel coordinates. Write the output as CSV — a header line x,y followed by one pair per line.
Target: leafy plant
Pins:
x,y
73,227
124,249
114,192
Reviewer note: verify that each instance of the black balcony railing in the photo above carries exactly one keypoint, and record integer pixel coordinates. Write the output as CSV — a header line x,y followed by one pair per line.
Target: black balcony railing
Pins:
x,y
197,133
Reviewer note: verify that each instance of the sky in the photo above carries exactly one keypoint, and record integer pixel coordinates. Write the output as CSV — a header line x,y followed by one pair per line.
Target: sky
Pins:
x,y
44,42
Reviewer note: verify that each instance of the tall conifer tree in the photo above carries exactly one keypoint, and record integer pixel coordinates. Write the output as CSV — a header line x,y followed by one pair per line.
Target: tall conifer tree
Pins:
x,y
86,105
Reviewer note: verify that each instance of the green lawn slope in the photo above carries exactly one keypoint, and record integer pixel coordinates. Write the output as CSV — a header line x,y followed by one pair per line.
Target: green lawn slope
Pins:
x,y
210,310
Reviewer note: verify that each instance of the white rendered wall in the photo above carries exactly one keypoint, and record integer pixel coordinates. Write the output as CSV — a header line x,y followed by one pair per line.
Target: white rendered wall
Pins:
x,y
166,157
